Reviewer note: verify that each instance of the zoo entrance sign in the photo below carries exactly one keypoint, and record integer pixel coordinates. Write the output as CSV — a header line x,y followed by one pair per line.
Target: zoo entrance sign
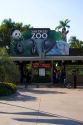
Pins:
x,y
39,33
38,42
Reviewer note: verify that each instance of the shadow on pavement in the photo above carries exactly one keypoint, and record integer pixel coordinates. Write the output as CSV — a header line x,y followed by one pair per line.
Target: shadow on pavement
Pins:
x,y
51,121
39,91
18,97
49,118
54,119
46,92
22,96
36,113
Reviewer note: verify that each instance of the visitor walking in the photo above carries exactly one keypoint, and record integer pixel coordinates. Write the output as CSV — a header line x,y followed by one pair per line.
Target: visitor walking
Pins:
x,y
75,78
28,76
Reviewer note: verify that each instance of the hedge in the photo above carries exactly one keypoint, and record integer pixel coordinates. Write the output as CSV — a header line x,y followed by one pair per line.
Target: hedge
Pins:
x,y
7,89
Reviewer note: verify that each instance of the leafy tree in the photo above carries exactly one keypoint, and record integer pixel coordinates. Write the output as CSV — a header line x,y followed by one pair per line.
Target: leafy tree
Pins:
x,y
6,29
9,71
18,26
75,43
25,28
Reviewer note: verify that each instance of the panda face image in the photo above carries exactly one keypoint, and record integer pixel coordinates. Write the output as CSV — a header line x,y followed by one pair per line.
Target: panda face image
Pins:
x,y
16,35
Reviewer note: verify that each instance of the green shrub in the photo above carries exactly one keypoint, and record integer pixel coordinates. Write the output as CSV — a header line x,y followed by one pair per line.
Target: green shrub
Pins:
x,y
7,89
9,70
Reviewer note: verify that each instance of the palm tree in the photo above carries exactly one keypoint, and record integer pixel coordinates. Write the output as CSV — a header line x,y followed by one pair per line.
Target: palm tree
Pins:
x,y
75,43
63,25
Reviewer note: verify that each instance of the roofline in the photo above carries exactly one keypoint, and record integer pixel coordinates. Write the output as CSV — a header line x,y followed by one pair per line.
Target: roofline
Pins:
x,y
47,58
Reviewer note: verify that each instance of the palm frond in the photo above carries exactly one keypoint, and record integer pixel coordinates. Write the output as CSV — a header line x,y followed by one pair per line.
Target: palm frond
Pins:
x,y
58,27
67,26
67,21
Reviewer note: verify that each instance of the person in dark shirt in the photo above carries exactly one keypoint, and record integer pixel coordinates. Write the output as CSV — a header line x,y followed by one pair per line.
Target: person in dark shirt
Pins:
x,y
54,76
75,78
28,76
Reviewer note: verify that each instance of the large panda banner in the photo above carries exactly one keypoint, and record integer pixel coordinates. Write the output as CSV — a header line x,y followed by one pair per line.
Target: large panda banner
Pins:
x,y
38,42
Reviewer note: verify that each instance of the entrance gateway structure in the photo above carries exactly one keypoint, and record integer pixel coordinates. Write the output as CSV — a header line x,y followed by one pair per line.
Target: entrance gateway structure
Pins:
x,y
41,51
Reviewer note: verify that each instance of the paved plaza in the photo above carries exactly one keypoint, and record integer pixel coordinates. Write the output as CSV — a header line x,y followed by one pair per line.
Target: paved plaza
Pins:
x,y
42,106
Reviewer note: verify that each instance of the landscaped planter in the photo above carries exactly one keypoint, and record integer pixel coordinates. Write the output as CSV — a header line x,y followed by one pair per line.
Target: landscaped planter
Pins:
x,y
7,89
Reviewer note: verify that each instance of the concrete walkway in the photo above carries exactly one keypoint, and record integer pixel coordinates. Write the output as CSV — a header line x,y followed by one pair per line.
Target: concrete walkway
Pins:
x,y
42,106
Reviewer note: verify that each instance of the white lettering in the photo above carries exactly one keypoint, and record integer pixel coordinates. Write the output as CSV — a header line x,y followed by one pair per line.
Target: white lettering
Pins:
x,y
44,35
39,35
33,36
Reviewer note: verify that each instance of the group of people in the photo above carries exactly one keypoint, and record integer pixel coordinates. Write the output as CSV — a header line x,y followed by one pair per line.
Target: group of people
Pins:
x,y
59,76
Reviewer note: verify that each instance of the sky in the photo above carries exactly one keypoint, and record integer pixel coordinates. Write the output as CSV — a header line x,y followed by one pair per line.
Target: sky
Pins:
x,y
45,13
